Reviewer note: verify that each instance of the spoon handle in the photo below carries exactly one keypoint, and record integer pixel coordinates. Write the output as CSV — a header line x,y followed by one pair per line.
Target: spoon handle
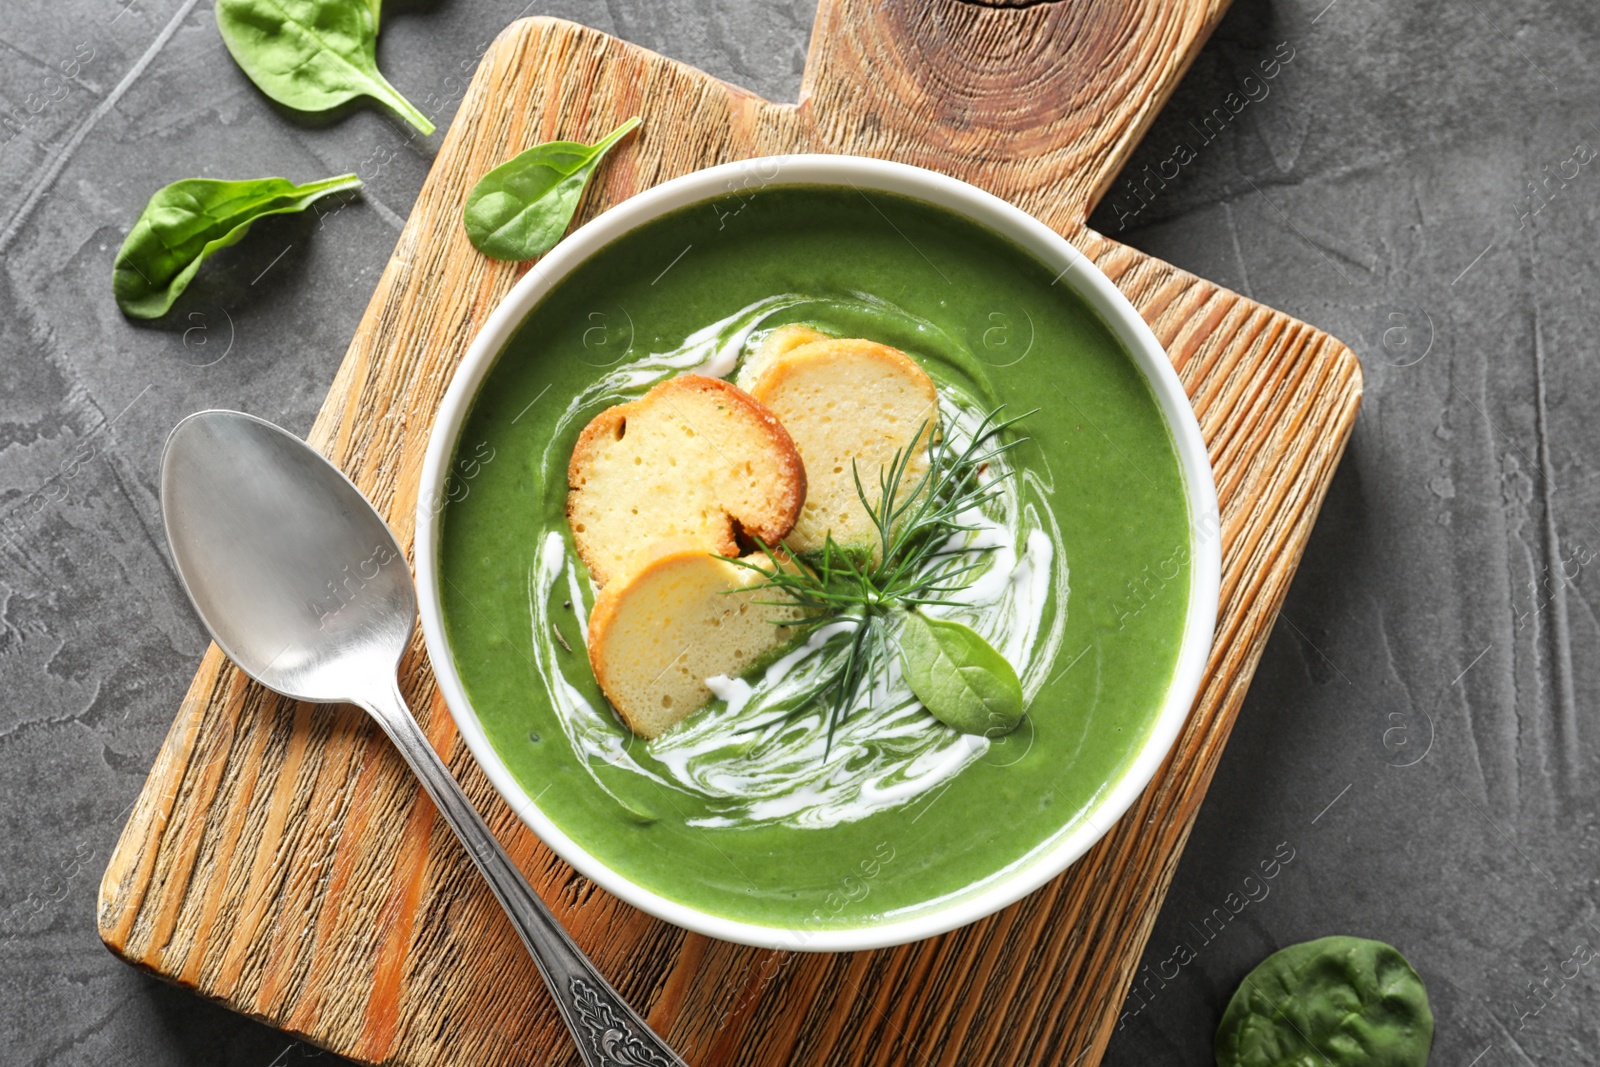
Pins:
x,y
608,1032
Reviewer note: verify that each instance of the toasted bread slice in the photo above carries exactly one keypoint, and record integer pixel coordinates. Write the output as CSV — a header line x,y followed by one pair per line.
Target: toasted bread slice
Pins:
x,y
779,342
843,401
690,458
684,616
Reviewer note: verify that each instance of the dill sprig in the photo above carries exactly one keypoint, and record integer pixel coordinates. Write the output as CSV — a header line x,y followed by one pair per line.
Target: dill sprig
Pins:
x,y
911,565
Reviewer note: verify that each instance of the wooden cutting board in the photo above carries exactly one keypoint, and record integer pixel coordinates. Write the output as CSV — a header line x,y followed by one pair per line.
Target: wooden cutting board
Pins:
x,y
280,859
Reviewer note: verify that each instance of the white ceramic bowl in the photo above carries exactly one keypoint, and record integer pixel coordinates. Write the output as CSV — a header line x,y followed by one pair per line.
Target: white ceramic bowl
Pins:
x,y
1078,274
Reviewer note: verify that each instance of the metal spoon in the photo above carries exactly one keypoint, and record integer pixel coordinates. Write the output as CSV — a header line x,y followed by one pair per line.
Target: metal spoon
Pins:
x,y
301,583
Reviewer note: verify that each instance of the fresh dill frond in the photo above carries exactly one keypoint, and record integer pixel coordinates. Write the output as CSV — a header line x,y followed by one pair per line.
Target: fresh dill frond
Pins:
x,y
913,566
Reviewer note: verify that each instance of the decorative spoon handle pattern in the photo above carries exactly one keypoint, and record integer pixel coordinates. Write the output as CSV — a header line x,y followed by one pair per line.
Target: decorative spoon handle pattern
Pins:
x,y
608,1032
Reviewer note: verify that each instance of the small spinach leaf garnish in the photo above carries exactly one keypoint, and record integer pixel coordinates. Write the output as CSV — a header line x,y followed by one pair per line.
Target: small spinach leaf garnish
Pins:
x,y
187,221
311,55
521,208
959,677
1333,1002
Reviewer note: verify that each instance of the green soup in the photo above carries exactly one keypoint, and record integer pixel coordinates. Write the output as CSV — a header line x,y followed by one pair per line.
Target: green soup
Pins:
x,y
1102,579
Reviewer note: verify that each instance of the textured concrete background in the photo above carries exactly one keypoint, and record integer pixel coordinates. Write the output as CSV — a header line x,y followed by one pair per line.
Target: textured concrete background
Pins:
x,y
1420,739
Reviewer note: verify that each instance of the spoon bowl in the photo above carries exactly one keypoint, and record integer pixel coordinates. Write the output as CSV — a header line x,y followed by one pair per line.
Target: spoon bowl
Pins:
x,y
299,580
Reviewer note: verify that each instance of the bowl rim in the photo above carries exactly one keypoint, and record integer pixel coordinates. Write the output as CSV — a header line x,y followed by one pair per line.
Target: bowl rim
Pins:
x,y
1045,861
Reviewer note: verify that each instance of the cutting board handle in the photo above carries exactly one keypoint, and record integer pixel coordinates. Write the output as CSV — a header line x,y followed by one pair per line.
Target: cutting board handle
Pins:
x,y
1038,102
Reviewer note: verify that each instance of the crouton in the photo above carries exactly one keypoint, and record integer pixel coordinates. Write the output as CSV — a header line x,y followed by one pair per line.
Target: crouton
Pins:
x,y
779,342
846,401
694,457
656,635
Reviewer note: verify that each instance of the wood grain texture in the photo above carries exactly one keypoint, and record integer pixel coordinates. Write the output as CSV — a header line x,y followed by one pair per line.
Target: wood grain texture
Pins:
x,y
280,859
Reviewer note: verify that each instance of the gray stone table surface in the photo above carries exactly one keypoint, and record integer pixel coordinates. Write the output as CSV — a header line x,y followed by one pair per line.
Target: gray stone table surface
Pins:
x,y
1416,761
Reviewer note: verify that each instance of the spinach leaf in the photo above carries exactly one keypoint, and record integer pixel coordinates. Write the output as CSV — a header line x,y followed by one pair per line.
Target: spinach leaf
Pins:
x,y
959,677
521,208
187,221
1333,1002
311,55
